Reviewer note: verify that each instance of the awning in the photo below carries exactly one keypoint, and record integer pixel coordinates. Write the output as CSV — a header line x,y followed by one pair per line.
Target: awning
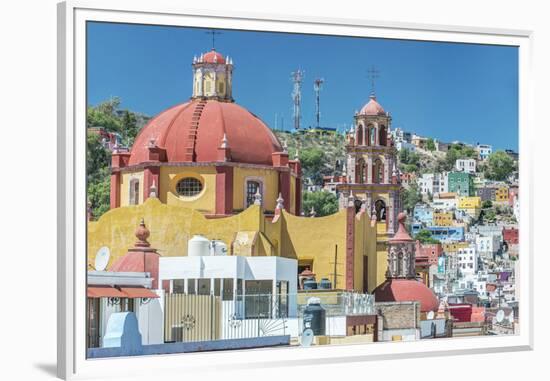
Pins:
x,y
104,292
138,292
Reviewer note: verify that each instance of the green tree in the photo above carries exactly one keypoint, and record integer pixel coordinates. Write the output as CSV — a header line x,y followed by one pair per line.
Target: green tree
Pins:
x,y
312,160
99,194
487,204
129,127
98,180
430,144
324,203
424,236
411,197
499,166
97,157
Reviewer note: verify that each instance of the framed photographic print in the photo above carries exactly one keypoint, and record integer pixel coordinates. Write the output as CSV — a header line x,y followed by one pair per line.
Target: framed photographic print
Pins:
x,y
297,189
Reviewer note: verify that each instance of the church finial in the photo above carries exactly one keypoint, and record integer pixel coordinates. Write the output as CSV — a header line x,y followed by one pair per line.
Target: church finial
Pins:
x,y
213,32
373,74
312,212
142,233
280,202
257,197
153,190
224,141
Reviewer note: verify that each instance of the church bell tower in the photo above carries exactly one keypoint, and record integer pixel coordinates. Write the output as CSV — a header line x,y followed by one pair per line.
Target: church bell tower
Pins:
x,y
212,77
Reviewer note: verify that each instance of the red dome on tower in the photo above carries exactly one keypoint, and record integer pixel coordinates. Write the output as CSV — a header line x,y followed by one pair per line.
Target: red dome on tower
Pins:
x,y
406,290
372,107
196,129
213,57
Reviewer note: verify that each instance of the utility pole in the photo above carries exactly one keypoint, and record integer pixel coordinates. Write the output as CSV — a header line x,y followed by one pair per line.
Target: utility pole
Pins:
x,y
317,88
297,78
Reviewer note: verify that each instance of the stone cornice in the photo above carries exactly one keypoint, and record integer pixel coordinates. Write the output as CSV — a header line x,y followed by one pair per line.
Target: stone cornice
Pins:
x,y
144,165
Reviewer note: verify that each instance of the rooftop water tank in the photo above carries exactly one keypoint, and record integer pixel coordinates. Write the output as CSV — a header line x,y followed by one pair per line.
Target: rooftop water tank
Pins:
x,y
310,284
218,247
325,284
198,246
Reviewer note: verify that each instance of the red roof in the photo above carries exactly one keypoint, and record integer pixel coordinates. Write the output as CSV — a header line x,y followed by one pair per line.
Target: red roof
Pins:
x,y
213,57
138,292
372,107
407,290
248,138
104,292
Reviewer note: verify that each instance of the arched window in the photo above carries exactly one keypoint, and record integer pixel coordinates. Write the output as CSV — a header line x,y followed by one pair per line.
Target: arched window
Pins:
x,y
378,171
188,187
134,192
372,135
383,136
252,187
359,135
380,208
361,171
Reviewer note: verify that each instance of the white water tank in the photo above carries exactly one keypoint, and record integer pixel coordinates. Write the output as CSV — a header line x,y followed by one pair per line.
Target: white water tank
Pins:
x,y
198,246
218,247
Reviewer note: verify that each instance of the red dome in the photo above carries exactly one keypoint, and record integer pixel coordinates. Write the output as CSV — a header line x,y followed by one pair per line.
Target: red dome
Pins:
x,y
213,57
174,130
407,290
372,108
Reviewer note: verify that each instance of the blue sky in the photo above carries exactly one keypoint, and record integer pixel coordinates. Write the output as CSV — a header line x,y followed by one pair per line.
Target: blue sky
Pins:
x,y
448,91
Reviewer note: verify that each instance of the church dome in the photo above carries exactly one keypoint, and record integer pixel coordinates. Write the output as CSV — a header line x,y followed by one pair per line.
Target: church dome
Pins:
x,y
372,107
213,57
407,290
193,131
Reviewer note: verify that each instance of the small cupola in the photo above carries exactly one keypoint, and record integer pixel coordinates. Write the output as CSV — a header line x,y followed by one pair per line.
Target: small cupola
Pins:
x,y
212,77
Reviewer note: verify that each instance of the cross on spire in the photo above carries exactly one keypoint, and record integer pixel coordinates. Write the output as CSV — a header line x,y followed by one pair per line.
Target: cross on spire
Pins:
x,y
213,32
373,73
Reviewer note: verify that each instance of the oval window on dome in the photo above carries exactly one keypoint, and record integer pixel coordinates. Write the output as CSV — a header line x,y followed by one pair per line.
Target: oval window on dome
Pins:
x,y
188,187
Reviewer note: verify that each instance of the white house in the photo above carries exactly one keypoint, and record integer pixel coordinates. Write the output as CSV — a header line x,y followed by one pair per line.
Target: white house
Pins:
x,y
432,183
444,204
109,292
487,245
484,150
232,277
466,165
467,260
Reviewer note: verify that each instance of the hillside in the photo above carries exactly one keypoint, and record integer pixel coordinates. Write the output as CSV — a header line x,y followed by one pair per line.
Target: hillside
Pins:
x,y
321,155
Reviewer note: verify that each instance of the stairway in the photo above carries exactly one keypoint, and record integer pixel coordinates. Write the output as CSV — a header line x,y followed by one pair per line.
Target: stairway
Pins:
x,y
193,131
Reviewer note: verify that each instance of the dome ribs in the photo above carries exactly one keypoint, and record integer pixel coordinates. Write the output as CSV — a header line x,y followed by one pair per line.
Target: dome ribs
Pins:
x,y
193,130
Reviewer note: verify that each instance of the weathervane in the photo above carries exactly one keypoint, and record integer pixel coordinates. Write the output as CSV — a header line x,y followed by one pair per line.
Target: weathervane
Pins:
x,y
373,74
213,32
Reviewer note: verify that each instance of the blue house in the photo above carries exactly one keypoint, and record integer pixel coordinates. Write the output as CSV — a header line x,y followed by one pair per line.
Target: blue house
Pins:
x,y
441,233
424,214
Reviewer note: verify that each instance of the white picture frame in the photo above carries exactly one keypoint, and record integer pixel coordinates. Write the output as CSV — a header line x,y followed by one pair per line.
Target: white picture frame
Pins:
x,y
72,17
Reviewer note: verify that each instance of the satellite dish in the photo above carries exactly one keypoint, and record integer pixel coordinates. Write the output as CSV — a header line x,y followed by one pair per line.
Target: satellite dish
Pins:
x,y
102,258
430,315
500,316
307,337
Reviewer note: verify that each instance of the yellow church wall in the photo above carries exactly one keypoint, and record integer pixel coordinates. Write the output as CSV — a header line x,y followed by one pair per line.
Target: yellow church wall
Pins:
x,y
125,186
314,239
293,193
171,226
270,179
366,233
204,202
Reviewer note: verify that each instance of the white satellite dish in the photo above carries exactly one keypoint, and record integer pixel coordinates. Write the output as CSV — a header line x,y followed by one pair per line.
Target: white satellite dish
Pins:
x,y
102,258
430,315
307,337
500,316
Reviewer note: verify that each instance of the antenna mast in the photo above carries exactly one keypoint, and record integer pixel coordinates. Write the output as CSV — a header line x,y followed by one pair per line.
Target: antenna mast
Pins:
x,y
297,77
317,88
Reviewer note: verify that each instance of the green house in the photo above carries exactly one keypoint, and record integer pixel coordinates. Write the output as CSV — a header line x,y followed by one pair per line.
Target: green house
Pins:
x,y
461,183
